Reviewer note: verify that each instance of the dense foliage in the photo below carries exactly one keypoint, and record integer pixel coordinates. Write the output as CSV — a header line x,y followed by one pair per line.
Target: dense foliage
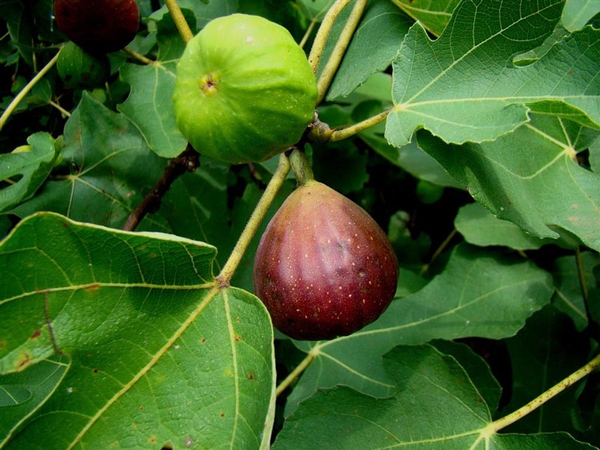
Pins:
x,y
467,129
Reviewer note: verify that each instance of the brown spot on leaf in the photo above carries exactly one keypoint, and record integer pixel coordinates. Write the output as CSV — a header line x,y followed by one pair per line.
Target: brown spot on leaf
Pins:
x,y
36,334
93,288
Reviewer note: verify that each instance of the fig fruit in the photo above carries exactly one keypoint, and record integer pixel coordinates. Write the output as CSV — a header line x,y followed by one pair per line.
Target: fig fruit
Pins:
x,y
78,68
323,267
98,26
244,90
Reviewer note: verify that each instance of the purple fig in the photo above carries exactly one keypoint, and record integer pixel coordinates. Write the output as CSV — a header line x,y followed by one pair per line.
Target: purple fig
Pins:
x,y
323,268
98,26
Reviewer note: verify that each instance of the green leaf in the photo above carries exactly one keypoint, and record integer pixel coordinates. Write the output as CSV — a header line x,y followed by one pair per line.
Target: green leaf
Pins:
x,y
476,367
480,293
433,14
529,177
578,13
568,296
435,406
546,351
22,393
111,170
464,87
315,9
480,227
159,353
28,168
150,106
372,49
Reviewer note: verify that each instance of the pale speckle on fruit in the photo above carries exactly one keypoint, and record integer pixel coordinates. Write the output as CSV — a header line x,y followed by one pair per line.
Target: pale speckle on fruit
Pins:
x,y
249,40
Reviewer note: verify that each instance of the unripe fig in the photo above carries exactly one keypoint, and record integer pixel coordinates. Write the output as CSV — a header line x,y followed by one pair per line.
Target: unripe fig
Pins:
x,y
323,267
244,90
98,26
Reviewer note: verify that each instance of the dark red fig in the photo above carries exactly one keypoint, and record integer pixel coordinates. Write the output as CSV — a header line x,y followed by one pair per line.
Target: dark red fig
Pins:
x,y
98,26
323,268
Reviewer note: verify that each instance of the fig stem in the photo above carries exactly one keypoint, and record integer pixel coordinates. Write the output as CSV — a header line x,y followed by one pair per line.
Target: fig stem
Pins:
x,y
511,418
297,370
28,87
283,168
143,59
301,166
346,132
182,26
316,52
335,59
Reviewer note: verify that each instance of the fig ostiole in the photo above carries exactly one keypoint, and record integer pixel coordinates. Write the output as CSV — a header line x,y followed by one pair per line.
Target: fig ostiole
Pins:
x,y
244,90
324,268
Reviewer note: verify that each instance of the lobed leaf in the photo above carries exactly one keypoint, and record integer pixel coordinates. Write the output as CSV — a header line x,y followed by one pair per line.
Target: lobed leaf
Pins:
x,y
480,293
435,406
158,354
28,167
464,87
109,169
530,178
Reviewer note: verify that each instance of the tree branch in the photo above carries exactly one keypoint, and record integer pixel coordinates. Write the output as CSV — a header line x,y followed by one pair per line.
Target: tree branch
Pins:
x,y
187,161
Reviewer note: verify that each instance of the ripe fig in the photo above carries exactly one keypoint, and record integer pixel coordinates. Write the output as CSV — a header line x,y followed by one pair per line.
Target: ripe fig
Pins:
x,y
98,26
244,90
323,268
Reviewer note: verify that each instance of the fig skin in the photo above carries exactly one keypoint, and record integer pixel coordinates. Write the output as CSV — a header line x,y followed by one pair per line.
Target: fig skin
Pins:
x,y
244,90
98,26
324,268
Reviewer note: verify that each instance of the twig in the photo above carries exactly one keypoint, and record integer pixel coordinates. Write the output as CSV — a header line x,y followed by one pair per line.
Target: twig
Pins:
x,y
21,95
187,161
335,59
316,52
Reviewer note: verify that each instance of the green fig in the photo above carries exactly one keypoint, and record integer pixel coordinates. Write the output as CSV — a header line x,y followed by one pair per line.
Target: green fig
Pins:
x,y
244,90
324,268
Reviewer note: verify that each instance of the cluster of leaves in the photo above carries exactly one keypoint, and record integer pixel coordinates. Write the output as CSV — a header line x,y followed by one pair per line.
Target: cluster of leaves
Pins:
x,y
115,338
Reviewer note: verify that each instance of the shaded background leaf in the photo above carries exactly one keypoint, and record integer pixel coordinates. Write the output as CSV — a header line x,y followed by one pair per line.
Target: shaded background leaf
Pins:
x,y
22,393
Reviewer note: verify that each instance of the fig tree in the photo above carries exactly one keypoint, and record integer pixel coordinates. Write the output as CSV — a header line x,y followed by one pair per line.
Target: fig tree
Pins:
x,y
98,26
244,90
324,267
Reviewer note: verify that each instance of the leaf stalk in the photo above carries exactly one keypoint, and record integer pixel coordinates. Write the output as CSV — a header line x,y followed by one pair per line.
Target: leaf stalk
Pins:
x,y
344,133
21,95
297,371
316,52
182,26
335,59
513,417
